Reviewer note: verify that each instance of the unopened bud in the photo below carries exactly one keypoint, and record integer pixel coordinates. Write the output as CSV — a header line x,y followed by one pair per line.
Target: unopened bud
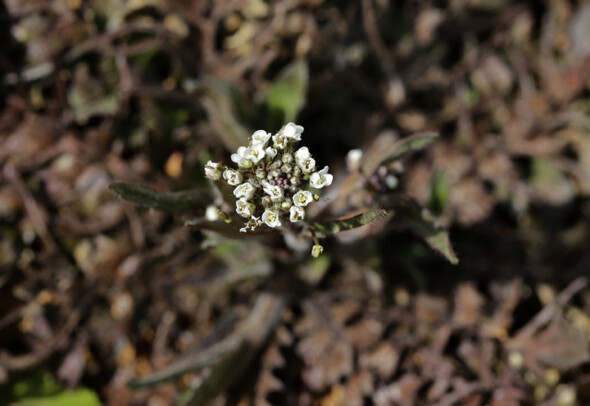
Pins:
x,y
261,174
275,173
266,201
287,168
275,165
287,158
316,250
286,205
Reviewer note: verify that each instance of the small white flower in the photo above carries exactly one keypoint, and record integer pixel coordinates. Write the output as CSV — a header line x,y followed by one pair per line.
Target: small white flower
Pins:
x,y
271,152
296,214
302,198
232,177
244,208
353,159
279,141
255,154
271,218
320,179
245,190
241,157
260,137
251,224
212,170
304,160
302,154
292,131
274,191
212,213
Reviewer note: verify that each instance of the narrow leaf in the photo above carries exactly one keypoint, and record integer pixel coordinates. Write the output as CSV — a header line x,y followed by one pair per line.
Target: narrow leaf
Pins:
x,y
335,226
421,222
176,202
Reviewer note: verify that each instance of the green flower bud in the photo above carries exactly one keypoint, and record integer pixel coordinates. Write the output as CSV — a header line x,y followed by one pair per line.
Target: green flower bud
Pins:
x,y
316,250
286,205
287,168
287,158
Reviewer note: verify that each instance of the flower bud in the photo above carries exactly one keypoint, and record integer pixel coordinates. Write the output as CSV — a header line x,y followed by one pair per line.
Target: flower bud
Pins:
x,y
275,173
295,181
316,197
260,174
316,250
275,165
266,201
287,158
286,205
296,171
287,168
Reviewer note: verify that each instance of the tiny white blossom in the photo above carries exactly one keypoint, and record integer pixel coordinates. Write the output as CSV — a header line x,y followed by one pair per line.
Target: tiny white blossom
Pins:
x,y
296,214
271,218
274,191
241,157
292,131
212,213
320,179
353,159
212,170
270,152
260,137
279,141
251,224
255,154
304,160
302,198
232,177
302,154
245,190
244,208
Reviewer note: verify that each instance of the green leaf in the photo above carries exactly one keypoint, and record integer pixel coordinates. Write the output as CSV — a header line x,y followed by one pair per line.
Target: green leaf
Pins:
x,y
439,193
409,215
286,95
176,202
336,226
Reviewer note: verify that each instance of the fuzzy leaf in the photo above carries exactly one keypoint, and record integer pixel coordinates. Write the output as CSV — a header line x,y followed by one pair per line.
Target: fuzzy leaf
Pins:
x,y
286,95
177,202
336,226
421,222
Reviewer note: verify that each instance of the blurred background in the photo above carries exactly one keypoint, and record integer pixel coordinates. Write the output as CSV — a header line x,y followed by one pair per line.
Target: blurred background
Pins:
x,y
95,291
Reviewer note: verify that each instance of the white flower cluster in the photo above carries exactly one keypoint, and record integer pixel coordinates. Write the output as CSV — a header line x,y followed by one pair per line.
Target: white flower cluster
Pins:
x,y
272,178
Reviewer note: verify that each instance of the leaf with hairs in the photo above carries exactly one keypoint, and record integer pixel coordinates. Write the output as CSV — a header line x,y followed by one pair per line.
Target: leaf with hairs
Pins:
x,y
408,214
177,202
336,226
